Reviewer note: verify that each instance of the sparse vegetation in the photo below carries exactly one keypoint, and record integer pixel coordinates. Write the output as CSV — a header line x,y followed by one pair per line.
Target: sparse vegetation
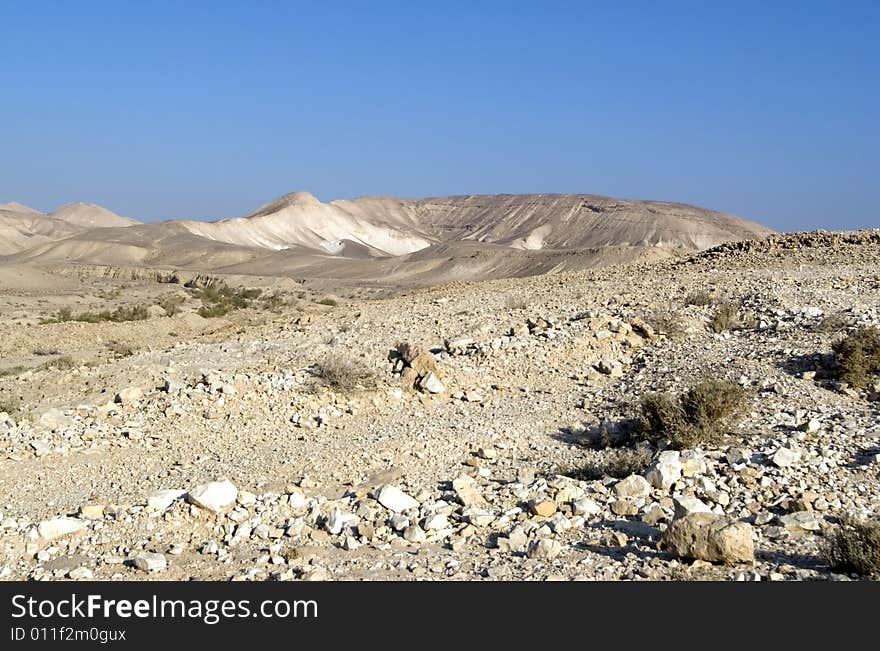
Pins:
x,y
119,349
171,304
667,322
332,301
218,299
59,363
699,297
832,324
855,546
858,356
726,317
613,462
344,373
697,417
10,405
119,315
45,352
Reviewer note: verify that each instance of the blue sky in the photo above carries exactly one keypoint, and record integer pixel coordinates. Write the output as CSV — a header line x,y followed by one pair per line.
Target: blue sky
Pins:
x,y
209,109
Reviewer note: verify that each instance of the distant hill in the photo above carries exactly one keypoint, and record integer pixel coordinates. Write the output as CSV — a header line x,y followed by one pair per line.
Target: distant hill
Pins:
x,y
381,237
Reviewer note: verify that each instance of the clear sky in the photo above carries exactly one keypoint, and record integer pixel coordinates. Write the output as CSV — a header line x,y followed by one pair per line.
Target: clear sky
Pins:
x,y
157,109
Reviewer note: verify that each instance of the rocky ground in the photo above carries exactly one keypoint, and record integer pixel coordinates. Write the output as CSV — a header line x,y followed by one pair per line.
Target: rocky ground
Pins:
x,y
298,440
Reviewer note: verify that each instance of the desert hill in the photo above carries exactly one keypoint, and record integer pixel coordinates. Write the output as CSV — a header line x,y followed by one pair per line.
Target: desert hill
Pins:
x,y
423,241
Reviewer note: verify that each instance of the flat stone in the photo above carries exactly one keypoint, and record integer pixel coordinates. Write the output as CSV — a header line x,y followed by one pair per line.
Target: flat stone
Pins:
x,y
215,496
92,511
686,504
436,522
150,562
586,507
543,508
431,383
129,396
785,457
162,500
632,486
665,471
60,527
466,491
545,549
394,499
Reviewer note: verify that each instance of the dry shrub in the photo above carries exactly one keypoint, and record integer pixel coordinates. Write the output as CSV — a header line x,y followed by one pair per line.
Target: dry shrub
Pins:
x,y
858,356
344,373
699,297
171,304
613,462
697,417
516,302
59,363
855,546
726,317
668,322
332,301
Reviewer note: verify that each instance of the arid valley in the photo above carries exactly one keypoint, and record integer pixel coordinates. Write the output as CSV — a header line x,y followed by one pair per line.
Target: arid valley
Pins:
x,y
486,387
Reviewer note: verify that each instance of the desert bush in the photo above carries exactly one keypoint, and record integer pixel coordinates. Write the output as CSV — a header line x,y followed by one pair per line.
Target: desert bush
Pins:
x,y
613,462
698,416
10,404
119,349
14,370
667,322
213,310
120,314
344,373
726,317
858,356
332,301
699,297
855,546
59,363
171,304
832,324
274,301
218,299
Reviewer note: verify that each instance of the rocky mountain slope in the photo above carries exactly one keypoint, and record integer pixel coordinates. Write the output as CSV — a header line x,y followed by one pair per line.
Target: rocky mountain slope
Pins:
x,y
296,440
413,241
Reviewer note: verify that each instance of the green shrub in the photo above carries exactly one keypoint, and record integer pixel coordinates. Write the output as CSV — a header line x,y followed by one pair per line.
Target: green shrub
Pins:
x,y
120,314
855,546
858,356
697,417
218,299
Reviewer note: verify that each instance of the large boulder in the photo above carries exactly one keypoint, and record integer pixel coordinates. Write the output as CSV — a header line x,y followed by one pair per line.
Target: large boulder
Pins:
x,y
710,537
